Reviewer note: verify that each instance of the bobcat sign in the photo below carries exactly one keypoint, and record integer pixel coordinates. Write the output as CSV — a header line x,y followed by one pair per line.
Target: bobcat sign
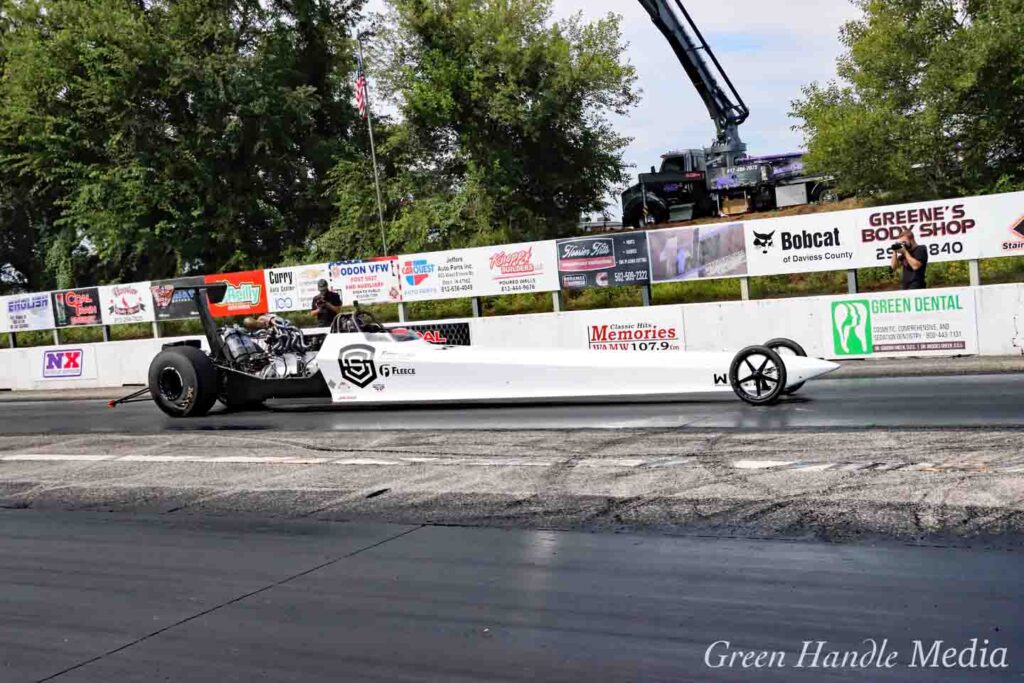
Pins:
x,y
921,323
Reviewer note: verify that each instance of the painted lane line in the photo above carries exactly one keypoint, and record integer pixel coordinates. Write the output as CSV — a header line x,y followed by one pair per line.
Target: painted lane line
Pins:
x,y
56,457
761,464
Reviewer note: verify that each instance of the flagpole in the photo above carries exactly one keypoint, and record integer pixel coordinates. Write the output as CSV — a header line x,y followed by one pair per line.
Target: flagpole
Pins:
x,y
373,149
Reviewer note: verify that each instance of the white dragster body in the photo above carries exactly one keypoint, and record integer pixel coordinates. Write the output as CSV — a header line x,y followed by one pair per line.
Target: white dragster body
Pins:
x,y
388,368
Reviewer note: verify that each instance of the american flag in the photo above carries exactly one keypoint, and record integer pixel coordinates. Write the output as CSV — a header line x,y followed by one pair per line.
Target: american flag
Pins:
x,y
361,88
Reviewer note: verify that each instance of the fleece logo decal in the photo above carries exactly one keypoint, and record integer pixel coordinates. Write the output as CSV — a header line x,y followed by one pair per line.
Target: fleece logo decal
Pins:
x,y
851,328
764,242
357,366
65,363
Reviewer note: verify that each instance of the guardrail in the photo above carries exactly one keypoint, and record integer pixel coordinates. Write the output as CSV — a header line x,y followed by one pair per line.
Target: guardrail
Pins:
x,y
962,229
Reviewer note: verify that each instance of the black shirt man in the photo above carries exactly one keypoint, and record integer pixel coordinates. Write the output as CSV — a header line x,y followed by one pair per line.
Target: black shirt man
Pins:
x,y
913,259
326,304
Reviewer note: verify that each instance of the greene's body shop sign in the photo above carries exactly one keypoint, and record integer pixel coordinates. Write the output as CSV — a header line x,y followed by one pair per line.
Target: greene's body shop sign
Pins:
x,y
937,322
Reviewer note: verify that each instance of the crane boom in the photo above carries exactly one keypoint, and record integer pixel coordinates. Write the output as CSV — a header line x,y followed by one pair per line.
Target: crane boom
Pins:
x,y
724,104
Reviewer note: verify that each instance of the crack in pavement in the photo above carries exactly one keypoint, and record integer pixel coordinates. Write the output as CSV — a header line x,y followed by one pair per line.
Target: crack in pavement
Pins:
x,y
227,603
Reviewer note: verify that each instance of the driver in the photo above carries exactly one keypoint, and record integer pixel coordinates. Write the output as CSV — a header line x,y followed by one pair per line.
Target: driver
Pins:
x,y
326,304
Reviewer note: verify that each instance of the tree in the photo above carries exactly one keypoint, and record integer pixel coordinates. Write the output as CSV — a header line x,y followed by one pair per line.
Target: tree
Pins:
x,y
929,101
504,132
147,139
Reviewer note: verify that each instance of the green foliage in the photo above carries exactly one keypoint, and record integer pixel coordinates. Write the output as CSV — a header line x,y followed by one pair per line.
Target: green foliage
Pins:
x,y
504,133
141,140
929,101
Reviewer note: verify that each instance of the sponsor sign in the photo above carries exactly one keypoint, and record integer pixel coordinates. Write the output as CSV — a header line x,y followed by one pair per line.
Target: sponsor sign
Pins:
x,y
293,289
373,281
611,261
912,323
515,268
121,304
4,326
644,330
246,294
437,275
172,303
705,251
803,244
950,229
73,307
29,312
62,363
447,334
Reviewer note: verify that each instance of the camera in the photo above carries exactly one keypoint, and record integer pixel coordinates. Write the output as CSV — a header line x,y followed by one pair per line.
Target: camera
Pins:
x,y
896,247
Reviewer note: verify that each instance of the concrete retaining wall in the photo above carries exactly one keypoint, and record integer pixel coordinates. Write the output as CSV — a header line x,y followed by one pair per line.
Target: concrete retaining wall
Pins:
x,y
996,329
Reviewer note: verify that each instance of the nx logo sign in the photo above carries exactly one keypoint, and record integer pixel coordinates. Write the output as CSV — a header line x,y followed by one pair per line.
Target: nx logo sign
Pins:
x,y
62,364
357,366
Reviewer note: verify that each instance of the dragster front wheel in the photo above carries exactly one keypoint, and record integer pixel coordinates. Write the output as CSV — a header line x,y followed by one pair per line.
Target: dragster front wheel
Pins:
x,y
758,375
783,346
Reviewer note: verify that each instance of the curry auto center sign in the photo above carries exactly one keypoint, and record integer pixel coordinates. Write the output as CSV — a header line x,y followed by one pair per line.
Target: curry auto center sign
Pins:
x,y
68,363
914,323
293,289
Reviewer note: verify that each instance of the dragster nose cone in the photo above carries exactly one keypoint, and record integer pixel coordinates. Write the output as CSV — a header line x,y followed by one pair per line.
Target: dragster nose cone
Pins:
x,y
819,367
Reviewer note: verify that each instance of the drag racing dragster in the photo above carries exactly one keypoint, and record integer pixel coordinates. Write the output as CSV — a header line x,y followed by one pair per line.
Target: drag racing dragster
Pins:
x,y
362,361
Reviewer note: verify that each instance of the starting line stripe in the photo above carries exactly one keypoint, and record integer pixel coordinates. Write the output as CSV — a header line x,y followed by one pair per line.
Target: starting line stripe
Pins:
x,y
590,463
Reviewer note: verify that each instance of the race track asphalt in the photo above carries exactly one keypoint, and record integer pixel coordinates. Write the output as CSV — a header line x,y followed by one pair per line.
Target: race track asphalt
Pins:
x,y
963,401
106,597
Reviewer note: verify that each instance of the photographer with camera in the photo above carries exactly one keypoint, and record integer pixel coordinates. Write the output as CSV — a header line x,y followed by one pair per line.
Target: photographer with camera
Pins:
x,y
326,304
912,258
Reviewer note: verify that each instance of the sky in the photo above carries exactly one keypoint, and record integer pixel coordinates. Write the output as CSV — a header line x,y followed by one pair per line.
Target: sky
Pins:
x,y
769,48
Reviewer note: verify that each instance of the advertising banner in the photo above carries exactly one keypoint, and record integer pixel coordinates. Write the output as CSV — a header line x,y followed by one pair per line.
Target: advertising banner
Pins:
x,y
644,330
515,268
246,294
373,281
704,251
4,325
121,304
67,363
437,275
950,229
293,289
27,312
172,303
910,323
804,244
608,261
77,307
447,334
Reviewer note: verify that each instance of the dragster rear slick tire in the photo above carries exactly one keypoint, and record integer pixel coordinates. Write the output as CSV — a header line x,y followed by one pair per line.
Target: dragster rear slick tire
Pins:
x,y
758,376
183,382
783,343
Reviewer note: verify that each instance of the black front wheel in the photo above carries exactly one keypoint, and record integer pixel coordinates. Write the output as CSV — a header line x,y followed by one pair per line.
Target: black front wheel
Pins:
x,y
758,376
183,382
783,347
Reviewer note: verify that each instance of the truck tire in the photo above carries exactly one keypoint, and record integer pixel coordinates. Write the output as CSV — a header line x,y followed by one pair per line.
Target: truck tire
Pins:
x,y
183,382
783,343
758,376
